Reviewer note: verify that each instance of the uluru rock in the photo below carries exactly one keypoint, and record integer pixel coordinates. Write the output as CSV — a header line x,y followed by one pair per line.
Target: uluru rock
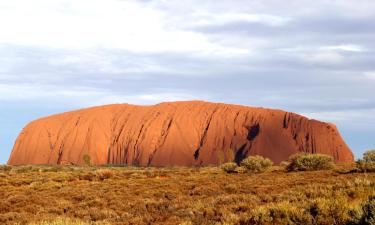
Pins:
x,y
176,133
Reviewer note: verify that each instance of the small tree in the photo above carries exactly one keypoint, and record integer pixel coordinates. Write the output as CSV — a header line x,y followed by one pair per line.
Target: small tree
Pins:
x,y
230,155
225,156
256,163
220,157
309,162
87,159
369,156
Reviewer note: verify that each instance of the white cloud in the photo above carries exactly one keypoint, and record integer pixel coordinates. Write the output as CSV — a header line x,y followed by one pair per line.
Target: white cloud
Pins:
x,y
84,96
370,75
349,48
226,18
108,24
325,57
356,118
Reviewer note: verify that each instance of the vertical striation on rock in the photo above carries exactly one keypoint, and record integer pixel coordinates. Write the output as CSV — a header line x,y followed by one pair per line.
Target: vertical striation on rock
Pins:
x,y
175,133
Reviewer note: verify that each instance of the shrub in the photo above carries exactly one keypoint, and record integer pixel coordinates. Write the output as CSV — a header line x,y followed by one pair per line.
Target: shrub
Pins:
x,y
229,167
284,164
364,166
87,159
5,168
329,210
103,174
87,176
256,163
309,162
369,156
279,213
25,169
367,164
368,209
241,169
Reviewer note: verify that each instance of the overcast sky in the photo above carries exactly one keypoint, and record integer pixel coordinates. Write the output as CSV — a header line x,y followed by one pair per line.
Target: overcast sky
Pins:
x,y
315,58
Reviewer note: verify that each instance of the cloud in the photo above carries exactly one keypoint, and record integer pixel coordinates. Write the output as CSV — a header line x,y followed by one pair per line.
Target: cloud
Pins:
x,y
326,57
111,24
370,75
349,48
356,119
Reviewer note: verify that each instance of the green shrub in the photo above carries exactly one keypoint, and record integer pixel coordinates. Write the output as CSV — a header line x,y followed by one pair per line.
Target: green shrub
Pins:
x,y
87,159
256,163
309,162
367,163
229,167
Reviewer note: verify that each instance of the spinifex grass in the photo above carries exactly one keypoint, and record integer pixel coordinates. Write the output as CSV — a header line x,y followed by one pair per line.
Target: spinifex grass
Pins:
x,y
131,195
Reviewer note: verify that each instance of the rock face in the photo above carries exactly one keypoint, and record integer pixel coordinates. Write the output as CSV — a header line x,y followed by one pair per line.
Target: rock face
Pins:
x,y
176,133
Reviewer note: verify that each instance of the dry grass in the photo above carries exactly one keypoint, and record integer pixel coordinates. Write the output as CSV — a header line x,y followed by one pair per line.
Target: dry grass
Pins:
x,y
130,195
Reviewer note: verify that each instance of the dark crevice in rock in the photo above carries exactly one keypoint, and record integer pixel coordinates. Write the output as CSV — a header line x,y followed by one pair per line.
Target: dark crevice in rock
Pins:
x,y
163,136
203,139
60,154
286,120
253,132
196,154
240,154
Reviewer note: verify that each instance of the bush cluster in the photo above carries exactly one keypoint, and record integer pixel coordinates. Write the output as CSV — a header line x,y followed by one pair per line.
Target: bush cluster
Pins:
x,y
367,163
229,167
318,211
256,163
250,164
368,212
309,162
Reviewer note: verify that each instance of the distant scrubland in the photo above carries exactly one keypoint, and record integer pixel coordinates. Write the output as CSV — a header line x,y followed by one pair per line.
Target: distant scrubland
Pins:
x,y
339,194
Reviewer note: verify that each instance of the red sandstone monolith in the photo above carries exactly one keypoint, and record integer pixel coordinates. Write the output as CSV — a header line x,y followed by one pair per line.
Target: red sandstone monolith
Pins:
x,y
176,133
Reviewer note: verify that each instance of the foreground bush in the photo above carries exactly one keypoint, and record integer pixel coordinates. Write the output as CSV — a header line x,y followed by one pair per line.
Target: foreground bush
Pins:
x,y
309,162
256,163
367,164
368,212
318,211
229,167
